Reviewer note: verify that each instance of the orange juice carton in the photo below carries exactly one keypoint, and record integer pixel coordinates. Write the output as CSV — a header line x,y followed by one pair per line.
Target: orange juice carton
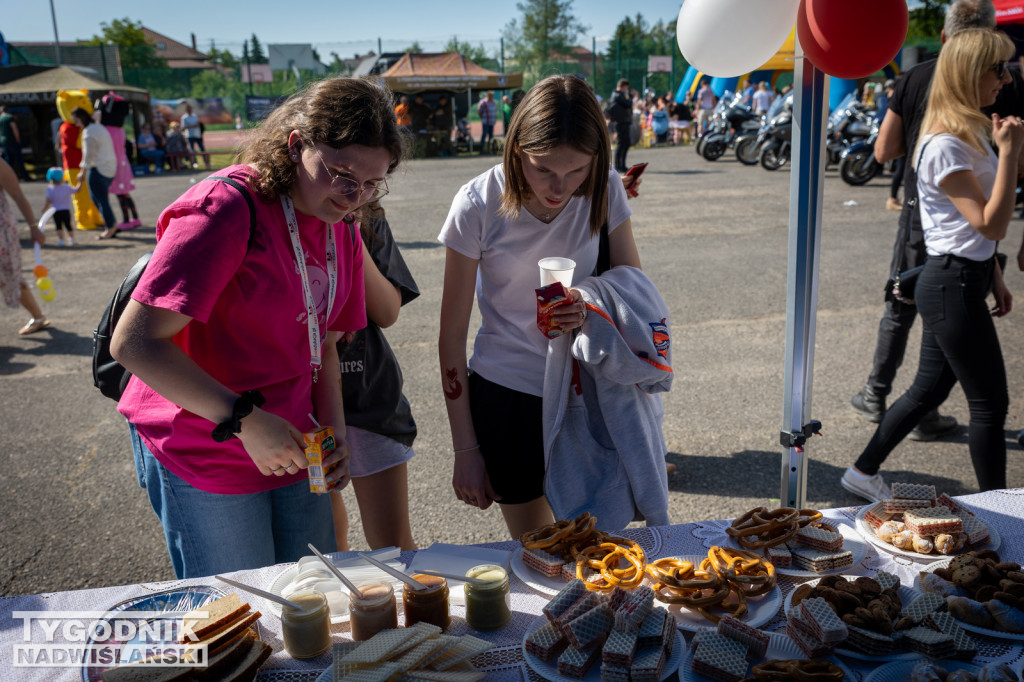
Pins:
x,y
548,298
319,444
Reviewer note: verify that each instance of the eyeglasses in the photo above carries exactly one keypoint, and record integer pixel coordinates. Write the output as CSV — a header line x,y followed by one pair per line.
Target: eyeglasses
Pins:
x,y
1001,69
342,184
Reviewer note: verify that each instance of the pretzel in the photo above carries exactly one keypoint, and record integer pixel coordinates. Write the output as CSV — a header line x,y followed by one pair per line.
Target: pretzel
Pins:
x,y
547,536
583,528
606,558
808,516
694,598
815,671
749,572
760,528
738,612
772,671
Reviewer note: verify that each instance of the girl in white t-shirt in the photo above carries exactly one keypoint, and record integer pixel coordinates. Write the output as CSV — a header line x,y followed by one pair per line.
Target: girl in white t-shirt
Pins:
x,y
549,197
967,195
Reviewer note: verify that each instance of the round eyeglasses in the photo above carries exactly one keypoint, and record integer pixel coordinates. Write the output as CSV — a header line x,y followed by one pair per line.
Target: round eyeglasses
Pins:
x,y
342,184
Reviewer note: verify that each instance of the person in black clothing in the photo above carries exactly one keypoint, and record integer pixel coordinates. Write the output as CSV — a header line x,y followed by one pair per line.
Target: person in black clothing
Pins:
x,y
897,135
420,113
620,110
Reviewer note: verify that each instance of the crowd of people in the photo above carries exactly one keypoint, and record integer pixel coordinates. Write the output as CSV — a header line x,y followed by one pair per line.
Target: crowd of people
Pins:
x,y
288,256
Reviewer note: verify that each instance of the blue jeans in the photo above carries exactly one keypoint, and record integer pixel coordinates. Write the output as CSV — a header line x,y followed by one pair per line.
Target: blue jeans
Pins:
x,y
487,134
99,192
208,533
157,155
959,343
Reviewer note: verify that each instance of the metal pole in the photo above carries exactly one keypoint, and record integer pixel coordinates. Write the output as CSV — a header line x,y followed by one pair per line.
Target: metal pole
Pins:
x,y
56,38
380,51
248,66
593,59
502,39
805,188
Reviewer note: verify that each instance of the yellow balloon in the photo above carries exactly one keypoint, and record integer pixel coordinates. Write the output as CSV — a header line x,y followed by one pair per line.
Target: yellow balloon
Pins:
x,y
48,294
44,283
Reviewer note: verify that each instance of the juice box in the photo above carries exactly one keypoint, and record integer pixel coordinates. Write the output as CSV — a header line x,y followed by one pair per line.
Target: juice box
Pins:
x,y
319,444
548,298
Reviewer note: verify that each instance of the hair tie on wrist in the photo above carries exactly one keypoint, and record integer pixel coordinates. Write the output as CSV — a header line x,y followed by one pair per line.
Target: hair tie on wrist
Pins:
x,y
243,407
475,447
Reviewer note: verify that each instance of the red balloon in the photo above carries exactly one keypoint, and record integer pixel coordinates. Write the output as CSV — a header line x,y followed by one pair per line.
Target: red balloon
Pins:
x,y
851,38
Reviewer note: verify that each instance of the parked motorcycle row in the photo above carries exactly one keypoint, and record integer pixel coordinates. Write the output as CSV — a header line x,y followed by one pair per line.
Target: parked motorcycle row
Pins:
x,y
767,139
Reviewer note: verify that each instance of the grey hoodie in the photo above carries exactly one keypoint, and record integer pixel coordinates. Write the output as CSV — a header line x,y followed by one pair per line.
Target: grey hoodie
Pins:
x,y
603,446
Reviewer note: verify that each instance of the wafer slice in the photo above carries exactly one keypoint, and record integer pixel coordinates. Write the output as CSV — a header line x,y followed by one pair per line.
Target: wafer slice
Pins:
x,y
647,665
827,626
619,648
590,628
779,556
868,641
634,609
424,631
912,491
546,642
467,647
820,538
876,515
377,672
564,600
928,642
887,580
380,646
932,521
923,605
585,603
818,561
576,662
658,629
412,658
899,506
755,640
614,673
720,658
542,562
445,676
447,642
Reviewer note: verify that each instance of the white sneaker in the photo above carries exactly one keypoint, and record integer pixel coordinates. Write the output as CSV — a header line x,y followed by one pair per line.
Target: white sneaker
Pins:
x,y
61,242
873,488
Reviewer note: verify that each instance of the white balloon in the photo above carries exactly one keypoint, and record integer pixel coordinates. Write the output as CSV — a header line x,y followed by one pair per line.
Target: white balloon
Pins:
x,y
47,214
729,38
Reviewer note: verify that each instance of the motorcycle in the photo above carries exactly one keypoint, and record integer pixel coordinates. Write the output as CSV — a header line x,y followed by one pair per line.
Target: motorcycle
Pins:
x,y
849,122
748,145
734,120
775,137
857,163
717,122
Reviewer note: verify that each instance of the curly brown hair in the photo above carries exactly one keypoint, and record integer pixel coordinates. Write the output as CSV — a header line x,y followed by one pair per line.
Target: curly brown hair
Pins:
x,y
336,112
558,110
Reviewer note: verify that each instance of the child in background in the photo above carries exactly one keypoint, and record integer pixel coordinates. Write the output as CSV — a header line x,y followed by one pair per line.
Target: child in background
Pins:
x,y
378,419
58,195
128,208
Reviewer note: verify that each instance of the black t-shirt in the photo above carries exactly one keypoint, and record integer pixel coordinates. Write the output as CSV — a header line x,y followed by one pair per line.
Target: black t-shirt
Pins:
x,y
371,380
910,98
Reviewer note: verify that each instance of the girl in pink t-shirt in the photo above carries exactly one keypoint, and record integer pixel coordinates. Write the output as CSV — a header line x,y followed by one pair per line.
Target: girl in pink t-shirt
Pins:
x,y
231,333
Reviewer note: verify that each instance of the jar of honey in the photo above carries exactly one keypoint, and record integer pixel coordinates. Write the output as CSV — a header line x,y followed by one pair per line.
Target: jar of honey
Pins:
x,y
374,610
428,605
307,629
487,603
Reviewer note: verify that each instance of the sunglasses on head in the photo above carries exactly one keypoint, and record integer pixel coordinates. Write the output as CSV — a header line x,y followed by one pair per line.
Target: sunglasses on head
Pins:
x,y
1001,69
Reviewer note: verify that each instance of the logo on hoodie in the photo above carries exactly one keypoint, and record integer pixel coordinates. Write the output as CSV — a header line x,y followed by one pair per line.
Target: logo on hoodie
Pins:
x,y
659,337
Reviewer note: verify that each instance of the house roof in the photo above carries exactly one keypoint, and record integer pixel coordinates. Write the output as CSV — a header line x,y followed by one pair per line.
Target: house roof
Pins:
x,y
171,49
445,71
41,86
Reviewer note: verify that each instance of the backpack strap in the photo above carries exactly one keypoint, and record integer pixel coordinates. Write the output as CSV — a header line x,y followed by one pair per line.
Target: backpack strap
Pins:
x,y
248,200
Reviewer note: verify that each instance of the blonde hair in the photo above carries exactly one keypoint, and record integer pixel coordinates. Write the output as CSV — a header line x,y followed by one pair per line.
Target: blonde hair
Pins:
x,y
558,110
954,105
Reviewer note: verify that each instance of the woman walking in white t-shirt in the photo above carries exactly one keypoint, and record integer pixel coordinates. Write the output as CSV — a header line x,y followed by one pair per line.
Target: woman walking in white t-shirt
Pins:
x,y
967,196
549,197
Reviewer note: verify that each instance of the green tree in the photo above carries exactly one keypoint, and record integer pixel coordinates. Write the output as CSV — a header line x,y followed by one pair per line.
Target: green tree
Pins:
x,y
135,49
476,54
415,48
256,55
222,58
926,20
633,42
547,29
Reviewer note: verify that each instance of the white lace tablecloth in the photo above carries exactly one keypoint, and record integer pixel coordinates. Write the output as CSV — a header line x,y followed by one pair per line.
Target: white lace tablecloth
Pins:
x,y
1003,509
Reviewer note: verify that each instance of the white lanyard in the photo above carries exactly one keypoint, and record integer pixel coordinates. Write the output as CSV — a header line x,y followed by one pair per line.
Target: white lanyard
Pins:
x,y
312,322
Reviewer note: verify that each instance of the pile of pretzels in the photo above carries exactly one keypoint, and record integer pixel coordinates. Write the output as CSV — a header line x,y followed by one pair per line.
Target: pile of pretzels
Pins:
x,y
760,528
799,670
723,581
565,538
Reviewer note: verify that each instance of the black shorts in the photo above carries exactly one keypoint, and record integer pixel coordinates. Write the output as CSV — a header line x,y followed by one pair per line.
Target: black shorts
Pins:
x,y
62,220
511,437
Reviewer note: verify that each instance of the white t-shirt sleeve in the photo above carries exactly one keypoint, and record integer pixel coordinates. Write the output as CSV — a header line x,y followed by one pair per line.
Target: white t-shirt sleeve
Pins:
x,y
464,227
618,202
943,156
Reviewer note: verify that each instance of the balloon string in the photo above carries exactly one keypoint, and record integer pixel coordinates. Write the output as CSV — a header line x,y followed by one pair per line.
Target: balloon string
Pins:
x,y
38,253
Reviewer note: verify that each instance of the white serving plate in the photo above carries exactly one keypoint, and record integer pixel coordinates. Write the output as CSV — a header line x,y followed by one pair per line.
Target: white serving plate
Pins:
x,y
907,595
549,670
760,609
865,529
899,671
852,541
535,579
999,634
780,648
288,575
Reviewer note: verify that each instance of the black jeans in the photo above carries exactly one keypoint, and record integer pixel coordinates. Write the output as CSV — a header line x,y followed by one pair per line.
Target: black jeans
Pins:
x,y
959,343
891,345
623,131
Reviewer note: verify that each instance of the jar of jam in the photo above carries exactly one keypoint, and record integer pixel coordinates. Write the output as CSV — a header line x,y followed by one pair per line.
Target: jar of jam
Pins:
x,y
487,603
427,605
306,630
373,611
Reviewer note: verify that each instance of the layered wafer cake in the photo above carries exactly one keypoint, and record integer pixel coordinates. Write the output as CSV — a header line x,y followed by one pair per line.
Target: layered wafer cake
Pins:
x,y
809,559
932,521
720,658
542,562
819,538
912,491
756,641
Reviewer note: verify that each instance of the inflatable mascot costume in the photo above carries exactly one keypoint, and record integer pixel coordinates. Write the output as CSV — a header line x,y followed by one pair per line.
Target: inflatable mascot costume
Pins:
x,y
113,110
87,216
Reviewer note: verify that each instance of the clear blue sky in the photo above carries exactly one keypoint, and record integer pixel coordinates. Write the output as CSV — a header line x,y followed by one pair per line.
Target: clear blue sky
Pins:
x,y
341,26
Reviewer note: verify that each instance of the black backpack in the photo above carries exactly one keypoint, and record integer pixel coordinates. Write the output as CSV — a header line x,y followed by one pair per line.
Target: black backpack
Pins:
x,y
107,375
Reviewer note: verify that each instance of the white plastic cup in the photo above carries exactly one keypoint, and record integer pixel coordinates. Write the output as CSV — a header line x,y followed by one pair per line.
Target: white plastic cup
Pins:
x,y
556,270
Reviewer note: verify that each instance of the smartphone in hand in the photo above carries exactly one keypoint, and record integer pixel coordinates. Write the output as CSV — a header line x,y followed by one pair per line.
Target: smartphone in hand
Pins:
x,y
632,176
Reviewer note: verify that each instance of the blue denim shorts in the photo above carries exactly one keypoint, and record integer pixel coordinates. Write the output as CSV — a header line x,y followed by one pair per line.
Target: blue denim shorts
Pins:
x,y
210,533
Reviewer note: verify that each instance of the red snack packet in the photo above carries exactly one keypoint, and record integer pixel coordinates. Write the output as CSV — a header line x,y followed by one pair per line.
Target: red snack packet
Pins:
x,y
548,298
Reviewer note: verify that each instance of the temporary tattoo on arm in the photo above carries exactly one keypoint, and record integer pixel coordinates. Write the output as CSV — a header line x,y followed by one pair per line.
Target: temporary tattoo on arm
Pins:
x,y
453,389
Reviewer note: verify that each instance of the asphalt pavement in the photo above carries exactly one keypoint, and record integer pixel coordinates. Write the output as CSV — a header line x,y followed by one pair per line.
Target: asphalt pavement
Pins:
x,y
712,235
